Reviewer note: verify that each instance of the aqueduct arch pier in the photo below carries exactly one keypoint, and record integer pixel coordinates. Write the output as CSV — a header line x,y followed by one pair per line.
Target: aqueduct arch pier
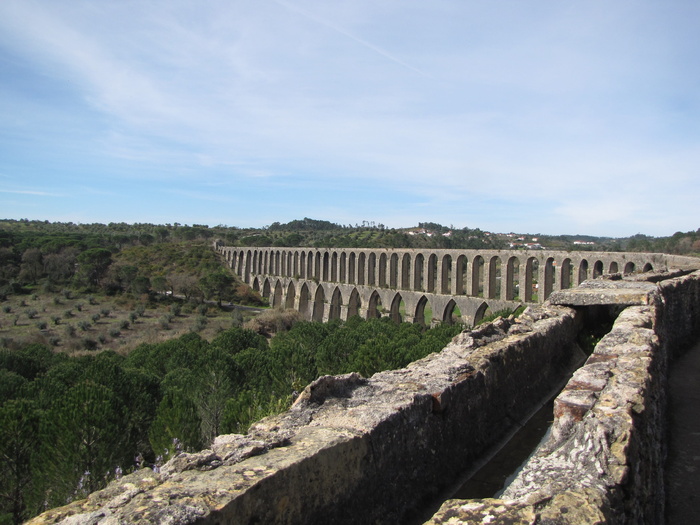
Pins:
x,y
405,284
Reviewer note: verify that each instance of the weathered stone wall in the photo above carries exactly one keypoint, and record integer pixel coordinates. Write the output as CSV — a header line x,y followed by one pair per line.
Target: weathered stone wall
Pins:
x,y
355,450
603,461
680,323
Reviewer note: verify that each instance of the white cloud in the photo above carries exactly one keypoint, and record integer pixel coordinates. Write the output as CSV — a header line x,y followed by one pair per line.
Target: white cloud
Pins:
x,y
32,192
447,101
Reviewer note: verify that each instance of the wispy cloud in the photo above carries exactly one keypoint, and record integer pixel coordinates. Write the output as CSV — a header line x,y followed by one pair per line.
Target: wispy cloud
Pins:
x,y
32,192
454,108
345,32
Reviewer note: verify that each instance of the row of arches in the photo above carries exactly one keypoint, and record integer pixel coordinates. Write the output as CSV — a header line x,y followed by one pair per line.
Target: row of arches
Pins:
x,y
506,275
324,301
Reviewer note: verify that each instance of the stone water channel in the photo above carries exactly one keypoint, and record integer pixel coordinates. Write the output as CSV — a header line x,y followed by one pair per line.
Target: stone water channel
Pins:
x,y
501,463
683,464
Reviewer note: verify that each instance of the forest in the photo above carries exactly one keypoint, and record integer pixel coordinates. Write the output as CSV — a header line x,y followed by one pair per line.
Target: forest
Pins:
x,y
321,233
70,424
88,394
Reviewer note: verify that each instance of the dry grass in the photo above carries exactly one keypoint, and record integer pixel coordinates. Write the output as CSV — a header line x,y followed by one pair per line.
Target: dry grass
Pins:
x,y
80,324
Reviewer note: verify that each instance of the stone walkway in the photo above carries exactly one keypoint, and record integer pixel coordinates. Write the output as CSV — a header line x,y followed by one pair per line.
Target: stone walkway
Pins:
x,y
683,464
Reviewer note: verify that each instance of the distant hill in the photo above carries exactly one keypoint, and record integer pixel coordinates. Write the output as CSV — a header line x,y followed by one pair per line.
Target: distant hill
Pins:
x,y
22,234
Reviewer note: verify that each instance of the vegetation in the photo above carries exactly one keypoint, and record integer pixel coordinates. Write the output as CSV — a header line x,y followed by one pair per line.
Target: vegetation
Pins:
x,y
57,239
501,313
315,233
70,424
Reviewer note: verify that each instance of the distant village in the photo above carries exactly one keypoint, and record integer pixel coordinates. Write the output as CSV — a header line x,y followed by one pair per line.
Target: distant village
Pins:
x,y
515,241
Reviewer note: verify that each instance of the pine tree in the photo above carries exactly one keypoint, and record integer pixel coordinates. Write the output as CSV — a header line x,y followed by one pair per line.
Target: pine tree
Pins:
x,y
19,432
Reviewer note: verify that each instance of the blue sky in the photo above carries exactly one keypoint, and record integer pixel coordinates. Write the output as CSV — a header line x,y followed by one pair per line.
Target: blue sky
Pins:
x,y
540,117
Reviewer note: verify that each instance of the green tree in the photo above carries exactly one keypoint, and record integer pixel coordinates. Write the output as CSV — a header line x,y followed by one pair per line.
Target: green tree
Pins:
x,y
176,424
218,285
162,233
19,440
32,268
60,267
29,361
141,285
9,264
11,385
82,442
248,407
236,339
135,390
93,264
126,274
215,387
161,284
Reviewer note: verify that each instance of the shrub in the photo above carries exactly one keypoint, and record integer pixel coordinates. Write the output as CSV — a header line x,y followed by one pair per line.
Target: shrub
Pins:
x,y
68,314
84,325
57,301
105,312
68,294
42,325
273,321
200,323
89,344
188,308
133,316
56,320
176,309
7,309
54,341
79,307
124,325
202,309
32,313
95,318
102,338
164,323
70,330
140,310
506,312
114,333
92,300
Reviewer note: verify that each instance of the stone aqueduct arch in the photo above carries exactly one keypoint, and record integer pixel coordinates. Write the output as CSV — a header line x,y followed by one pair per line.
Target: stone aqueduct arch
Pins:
x,y
336,283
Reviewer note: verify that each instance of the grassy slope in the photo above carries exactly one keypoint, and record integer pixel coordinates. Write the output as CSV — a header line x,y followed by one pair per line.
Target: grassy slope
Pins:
x,y
156,320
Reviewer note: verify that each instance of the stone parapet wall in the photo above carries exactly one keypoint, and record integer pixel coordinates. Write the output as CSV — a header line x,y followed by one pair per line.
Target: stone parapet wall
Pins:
x,y
356,450
679,325
603,461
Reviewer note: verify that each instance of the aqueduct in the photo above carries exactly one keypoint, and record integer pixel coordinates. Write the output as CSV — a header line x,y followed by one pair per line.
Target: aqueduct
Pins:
x,y
421,285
